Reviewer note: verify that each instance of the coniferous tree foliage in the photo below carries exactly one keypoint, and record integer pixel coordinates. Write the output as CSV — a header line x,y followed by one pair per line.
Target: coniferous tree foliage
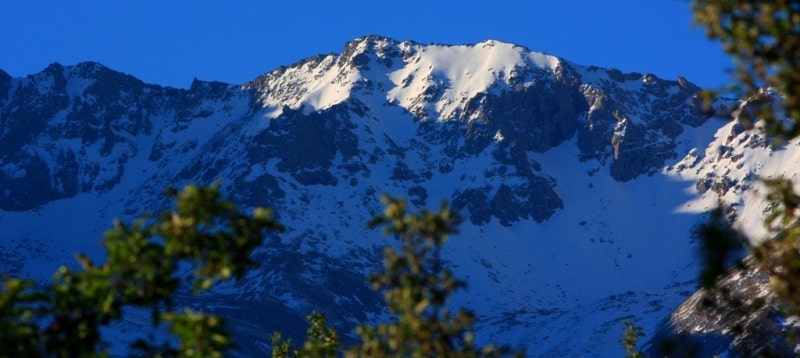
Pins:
x,y
142,269
321,341
145,259
417,288
763,38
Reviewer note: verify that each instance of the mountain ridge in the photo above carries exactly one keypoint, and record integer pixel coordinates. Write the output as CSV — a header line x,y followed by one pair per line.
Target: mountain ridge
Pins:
x,y
542,160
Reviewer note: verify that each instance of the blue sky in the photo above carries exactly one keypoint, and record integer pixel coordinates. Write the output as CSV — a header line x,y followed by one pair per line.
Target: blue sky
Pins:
x,y
171,42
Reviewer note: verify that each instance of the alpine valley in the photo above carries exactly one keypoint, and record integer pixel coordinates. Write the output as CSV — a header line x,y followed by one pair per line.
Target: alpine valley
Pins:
x,y
580,187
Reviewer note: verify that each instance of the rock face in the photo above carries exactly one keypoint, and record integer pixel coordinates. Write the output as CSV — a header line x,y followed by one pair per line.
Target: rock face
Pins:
x,y
70,130
628,119
642,125
727,171
320,140
711,323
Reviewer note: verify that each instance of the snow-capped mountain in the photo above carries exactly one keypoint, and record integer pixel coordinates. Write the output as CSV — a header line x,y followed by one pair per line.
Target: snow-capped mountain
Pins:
x,y
579,185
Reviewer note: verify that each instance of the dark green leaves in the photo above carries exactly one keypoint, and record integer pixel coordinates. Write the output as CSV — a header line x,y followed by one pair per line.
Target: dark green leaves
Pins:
x,y
417,288
143,269
763,37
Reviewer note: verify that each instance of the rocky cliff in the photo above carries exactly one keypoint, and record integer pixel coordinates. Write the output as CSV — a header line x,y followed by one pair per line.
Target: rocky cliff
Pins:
x,y
564,172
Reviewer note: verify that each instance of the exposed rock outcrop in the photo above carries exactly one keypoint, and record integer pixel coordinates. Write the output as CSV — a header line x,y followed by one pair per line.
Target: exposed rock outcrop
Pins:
x,y
713,323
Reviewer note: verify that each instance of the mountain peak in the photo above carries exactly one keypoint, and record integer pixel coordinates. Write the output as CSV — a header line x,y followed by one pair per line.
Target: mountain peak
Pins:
x,y
547,161
489,51
373,41
440,78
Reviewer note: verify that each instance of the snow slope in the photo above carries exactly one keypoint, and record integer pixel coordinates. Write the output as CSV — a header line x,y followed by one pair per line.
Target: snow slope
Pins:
x,y
580,186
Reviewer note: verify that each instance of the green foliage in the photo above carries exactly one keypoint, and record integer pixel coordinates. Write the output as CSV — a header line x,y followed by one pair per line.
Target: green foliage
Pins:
x,y
64,319
143,269
763,37
721,247
321,341
417,288
630,339
780,256
200,334
18,328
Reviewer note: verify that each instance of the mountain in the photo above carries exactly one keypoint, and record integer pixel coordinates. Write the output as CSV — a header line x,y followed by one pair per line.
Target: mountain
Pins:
x,y
580,186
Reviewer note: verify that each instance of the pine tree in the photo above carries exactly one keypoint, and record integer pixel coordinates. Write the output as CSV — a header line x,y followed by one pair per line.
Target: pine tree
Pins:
x,y
417,288
65,318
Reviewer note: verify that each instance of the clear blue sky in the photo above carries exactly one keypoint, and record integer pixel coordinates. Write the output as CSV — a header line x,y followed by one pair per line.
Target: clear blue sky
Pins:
x,y
171,42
